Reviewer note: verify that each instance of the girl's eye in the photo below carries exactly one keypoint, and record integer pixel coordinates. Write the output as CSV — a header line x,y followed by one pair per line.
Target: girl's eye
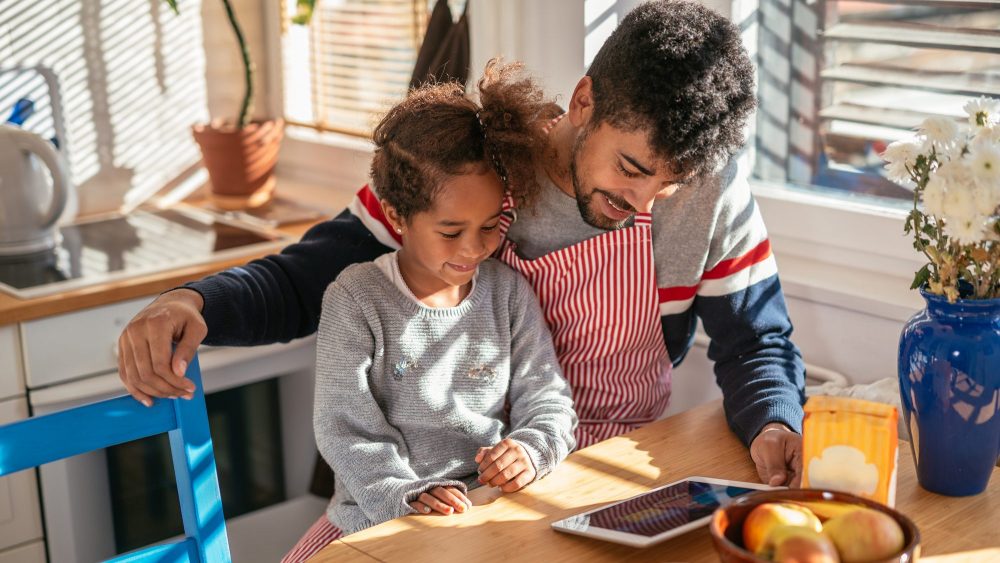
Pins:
x,y
451,235
491,228
627,173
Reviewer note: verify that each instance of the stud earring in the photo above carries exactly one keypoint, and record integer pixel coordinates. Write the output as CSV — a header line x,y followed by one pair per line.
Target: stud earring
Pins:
x,y
398,230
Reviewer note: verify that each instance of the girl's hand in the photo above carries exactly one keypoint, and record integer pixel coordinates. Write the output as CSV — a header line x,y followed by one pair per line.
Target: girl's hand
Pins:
x,y
505,465
443,500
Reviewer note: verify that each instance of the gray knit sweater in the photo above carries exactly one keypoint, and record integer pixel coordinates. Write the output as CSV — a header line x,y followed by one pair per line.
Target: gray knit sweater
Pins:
x,y
407,394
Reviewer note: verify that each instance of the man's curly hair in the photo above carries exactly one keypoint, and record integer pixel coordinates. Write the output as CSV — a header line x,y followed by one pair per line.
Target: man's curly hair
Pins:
x,y
679,70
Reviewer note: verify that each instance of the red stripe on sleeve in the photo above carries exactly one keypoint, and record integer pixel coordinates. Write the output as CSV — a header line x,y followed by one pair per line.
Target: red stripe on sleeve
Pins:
x,y
728,267
676,293
374,209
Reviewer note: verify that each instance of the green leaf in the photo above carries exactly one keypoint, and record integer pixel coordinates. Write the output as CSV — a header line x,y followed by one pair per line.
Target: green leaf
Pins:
x,y
921,277
173,6
303,12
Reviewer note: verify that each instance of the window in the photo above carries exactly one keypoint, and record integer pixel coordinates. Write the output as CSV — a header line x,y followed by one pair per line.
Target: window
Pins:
x,y
838,80
351,63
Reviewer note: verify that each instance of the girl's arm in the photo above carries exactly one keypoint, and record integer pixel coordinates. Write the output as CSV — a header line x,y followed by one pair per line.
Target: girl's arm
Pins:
x,y
367,454
542,418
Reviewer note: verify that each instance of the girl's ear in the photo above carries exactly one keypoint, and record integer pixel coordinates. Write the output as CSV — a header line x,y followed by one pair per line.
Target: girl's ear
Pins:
x,y
394,219
581,103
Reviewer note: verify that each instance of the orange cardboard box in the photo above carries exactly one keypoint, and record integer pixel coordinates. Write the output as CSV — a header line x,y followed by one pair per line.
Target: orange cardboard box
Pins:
x,y
850,445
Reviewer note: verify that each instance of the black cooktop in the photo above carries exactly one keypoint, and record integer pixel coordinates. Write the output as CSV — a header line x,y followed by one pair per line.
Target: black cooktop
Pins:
x,y
118,247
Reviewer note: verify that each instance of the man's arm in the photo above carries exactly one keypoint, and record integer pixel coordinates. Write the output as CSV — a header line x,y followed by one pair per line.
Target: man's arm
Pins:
x,y
274,299
278,298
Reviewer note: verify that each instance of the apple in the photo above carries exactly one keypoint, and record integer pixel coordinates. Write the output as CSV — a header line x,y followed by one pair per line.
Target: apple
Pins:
x,y
798,544
864,535
767,516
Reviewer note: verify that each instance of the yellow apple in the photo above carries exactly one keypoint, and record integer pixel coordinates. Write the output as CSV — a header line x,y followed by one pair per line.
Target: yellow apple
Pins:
x,y
864,535
767,516
798,544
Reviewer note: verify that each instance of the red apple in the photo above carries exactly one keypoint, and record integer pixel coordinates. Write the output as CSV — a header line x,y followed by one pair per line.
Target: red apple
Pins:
x,y
864,534
769,515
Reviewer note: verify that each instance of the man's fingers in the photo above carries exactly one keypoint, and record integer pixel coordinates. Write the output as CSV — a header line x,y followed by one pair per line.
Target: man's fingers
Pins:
x,y
126,371
147,379
793,453
192,333
160,352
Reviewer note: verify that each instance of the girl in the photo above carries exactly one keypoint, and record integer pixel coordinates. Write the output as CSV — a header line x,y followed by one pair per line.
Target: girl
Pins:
x,y
435,369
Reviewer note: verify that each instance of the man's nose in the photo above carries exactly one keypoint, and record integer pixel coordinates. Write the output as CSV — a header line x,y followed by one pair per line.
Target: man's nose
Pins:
x,y
641,198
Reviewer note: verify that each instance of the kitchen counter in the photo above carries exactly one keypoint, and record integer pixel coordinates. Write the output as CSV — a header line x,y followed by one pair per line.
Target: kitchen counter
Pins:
x,y
13,310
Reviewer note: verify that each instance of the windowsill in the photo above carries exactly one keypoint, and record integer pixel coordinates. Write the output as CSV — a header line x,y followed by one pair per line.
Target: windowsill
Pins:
x,y
849,255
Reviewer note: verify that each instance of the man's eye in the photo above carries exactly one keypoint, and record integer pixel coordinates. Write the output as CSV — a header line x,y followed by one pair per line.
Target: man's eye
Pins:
x,y
451,235
627,173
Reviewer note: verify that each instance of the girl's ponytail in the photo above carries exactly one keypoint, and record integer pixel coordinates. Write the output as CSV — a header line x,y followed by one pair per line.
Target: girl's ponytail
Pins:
x,y
512,112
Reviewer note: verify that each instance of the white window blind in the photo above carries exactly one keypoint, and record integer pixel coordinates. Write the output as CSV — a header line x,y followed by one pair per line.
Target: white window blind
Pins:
x,y
840,79
351,63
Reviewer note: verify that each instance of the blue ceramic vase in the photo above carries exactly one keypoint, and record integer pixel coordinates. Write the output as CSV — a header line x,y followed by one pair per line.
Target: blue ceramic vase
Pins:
x,y
949,383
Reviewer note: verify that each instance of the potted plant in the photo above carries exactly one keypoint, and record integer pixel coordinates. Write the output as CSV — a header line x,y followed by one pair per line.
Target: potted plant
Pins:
x,y
240,155
949,353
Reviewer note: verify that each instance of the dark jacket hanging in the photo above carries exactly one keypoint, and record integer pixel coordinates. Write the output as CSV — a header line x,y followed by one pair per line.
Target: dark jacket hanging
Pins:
x,y
444,53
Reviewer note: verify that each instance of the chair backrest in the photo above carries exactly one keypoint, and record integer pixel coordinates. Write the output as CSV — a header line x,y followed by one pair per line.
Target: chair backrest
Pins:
x,y
43,439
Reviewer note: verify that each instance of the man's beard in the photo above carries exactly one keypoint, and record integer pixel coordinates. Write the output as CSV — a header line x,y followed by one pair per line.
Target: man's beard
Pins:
x,y
584,201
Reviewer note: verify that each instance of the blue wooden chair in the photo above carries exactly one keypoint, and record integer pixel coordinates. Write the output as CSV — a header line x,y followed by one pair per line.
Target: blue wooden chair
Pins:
x,y
43,439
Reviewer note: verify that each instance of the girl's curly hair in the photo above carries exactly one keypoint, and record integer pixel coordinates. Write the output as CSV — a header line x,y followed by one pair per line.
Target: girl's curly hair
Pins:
x,y
438,131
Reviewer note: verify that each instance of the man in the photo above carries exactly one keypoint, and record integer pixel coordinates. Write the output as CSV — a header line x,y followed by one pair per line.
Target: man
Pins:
x,y
644,224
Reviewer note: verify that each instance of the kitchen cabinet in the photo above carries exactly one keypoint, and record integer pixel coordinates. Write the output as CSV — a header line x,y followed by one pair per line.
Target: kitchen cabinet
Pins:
x,y
11,378
34,552
20,513
72,345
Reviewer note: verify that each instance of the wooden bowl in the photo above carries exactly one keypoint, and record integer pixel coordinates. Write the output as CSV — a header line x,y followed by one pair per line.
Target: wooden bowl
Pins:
x,y
726,525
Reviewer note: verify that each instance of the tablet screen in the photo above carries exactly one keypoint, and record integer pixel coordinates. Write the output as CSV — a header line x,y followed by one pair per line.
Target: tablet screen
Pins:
x,y
663,509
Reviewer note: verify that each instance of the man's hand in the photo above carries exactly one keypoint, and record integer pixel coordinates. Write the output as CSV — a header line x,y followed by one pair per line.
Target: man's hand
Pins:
x,y
145,363
777,453
505,465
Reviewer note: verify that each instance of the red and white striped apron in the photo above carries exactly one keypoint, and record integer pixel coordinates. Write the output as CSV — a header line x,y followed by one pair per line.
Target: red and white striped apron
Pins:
x,y
600,300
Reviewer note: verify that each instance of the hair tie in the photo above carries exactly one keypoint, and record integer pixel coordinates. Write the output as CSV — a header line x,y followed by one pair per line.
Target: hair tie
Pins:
x,y
497,165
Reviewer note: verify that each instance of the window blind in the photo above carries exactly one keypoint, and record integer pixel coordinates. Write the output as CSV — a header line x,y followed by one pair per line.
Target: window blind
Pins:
x,y
843,78
355,59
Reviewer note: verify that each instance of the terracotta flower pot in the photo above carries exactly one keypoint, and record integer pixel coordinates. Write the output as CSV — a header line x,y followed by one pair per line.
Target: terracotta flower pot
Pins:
x,y
241,162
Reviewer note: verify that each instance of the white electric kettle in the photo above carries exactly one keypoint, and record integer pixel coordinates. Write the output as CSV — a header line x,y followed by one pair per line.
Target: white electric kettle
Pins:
x,y
29,204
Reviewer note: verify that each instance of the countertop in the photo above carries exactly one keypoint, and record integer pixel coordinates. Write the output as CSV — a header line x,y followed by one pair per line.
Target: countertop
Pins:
x,y
13,310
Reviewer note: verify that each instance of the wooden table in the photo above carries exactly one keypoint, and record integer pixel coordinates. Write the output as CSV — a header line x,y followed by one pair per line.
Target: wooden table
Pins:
x,y
515,527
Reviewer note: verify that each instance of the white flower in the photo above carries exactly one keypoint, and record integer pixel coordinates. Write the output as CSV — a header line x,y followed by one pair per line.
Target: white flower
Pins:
x,y
982,111
933,195
959,205
898,156
967,230
984,165
956,172
941,131
987,199
985,136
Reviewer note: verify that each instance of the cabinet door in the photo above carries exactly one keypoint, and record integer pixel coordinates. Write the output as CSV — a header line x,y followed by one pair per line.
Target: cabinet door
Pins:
x,y
20,515
76,344
31,553
11,380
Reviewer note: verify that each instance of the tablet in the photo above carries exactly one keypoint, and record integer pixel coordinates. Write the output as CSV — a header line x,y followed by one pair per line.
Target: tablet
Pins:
x,y
659,514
